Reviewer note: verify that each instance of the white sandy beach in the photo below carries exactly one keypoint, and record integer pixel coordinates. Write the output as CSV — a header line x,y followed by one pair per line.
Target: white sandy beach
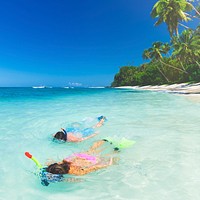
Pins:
x,y
192,91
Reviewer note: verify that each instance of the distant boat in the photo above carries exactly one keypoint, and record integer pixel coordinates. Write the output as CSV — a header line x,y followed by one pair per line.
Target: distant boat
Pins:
x,y
39,87
68,87
96,87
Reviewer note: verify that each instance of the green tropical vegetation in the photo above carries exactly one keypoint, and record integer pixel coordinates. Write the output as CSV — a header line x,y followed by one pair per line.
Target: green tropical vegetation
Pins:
x,y
174,62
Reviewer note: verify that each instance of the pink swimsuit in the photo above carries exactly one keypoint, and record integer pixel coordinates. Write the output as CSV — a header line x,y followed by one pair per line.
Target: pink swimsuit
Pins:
x,y
85,156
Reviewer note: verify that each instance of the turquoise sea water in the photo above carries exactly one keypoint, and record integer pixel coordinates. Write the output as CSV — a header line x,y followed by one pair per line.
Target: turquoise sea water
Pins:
x,y
163,164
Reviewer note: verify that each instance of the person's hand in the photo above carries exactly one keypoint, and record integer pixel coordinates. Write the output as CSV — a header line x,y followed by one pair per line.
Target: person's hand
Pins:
x,y
111,161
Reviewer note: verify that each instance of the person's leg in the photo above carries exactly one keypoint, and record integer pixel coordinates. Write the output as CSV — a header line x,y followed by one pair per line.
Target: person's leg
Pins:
x,y
95,147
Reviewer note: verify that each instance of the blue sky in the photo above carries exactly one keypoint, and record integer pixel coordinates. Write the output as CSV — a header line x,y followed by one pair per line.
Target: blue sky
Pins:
x,y
48,42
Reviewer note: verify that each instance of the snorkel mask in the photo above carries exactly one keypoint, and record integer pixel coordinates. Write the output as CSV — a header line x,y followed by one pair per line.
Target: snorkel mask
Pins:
x,y
101,117
61,136
45,176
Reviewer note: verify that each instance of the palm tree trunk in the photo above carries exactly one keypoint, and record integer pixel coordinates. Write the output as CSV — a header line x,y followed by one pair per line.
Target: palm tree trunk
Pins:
x,y
163,74
177,34
198,63
181,64
173,67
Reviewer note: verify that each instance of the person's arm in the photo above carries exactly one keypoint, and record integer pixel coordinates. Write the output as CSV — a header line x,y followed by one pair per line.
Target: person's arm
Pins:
x,y
90,136
97,167
72,138
100,123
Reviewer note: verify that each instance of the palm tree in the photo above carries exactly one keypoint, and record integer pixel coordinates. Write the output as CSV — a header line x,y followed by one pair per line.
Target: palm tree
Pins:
x,y
146,55
155,53
171,12
157,49
195,15
166,48
187,46
197,10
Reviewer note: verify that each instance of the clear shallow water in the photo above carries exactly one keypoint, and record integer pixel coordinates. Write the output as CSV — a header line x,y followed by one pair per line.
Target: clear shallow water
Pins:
x,y
163,164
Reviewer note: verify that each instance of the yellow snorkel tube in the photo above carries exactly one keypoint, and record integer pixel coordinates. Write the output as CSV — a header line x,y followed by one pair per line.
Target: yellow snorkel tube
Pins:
x,y
27,154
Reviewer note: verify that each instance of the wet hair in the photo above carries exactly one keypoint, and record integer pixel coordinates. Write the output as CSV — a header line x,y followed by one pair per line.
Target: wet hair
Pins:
x,y
59,168
60,136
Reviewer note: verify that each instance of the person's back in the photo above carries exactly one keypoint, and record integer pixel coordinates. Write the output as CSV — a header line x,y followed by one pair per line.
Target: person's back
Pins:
x,y
84,162
77,135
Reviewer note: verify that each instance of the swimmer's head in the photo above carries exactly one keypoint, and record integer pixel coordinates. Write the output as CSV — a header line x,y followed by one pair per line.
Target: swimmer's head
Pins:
x,y
60,135
102,118
56,168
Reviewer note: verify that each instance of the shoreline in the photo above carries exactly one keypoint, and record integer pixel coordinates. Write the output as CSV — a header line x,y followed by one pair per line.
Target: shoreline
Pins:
x,y
190,90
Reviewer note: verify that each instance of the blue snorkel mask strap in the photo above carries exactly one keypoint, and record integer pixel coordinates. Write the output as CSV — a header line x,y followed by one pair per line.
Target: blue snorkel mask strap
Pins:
x,y
65,132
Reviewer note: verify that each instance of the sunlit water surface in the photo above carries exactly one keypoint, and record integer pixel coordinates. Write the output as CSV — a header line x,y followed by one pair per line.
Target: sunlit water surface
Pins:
x,y
163,164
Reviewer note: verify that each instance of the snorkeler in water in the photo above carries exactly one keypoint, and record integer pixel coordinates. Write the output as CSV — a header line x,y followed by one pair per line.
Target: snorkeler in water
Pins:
x,y
86,162
77,135
101,154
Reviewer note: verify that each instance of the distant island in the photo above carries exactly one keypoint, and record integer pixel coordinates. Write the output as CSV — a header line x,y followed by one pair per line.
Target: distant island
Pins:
x,y
175,62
